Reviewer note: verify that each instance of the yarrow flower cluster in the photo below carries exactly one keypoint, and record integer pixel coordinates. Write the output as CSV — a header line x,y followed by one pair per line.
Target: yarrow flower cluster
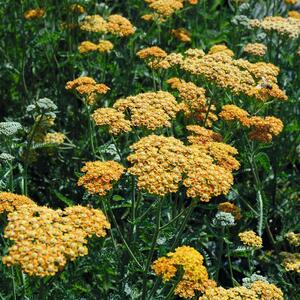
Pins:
x,y
181,34
100,176
195,276
9,128
45,239
291,261
77,8
293,238
257,290
230,208
87,87
36,13
202,136
159,163
54,138
114,119
247,281
286,27
10,202
262,128
116,25
255,49
249,238
151,110
223,219
102,46
193,100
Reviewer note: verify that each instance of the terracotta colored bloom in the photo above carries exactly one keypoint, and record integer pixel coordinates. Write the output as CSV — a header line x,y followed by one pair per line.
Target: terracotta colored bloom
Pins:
x,y
119,26
232,112
195,276
181,34
249,238
256,49
100,175
202,136
113,118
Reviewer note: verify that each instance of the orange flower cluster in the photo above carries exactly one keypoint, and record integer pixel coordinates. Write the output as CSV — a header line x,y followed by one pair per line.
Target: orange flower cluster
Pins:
x,y
88,87
165,8
100,175
45,239
159,163
262,129
257,290
240,76
152,110
10,202
290,2
114,119
286,27
230,208
103,46
181,34
256,49
193,100
195,276
34,13
220,48
202,136
249,238
116,25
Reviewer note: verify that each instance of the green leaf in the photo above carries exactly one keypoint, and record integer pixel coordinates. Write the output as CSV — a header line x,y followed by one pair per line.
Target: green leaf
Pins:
x,y
63,198
263,160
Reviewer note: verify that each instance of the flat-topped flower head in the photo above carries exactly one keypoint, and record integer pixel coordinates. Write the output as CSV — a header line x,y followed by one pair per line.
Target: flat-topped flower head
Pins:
x,y
249,238
256,49
100,176
10,202
114,119
120,26
195,276
94,23
54,138
151,110
230,208
36,13
201,135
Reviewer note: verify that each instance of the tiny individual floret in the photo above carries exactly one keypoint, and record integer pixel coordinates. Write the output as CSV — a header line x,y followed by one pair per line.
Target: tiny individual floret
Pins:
x,y
34,14
195,276
100,176
54,138
249,238
114,119
255,49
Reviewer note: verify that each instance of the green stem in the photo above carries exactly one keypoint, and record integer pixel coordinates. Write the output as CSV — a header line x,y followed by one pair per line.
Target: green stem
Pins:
x,y
91,131
171,292
152,248
13,283
220,253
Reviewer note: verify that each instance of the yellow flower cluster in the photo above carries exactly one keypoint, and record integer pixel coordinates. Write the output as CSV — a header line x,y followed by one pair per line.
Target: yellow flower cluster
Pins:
x,y
287,27
44,123
159,163
293,238
102,46
194,52
249,238
291,261
34,13
181,34
100,175
9,202
262,129
165,8
294,14
114,119
257,290
256,49
202,136
240,76
230,208
151,52
220,48
45,239
54,138
88,87
115,24
152,110
77,8
193,100
195,276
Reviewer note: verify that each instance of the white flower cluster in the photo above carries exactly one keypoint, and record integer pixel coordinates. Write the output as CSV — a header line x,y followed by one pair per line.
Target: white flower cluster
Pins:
x,y
43,106
9,128
247,281
223,219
